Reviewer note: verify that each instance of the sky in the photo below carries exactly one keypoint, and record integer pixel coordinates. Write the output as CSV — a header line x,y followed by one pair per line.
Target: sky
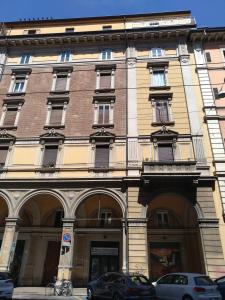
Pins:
x,y
208,13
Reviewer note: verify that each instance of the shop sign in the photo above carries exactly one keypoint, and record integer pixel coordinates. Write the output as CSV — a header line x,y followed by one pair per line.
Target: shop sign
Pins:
x,y
104,251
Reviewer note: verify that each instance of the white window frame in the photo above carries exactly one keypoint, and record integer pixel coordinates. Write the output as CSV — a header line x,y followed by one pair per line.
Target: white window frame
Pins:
x,y
93,149
98,78
18,106
62,58
158,69
106,51
97,103
13,83
169,107
162,213
107,221
57,103
156,49
27,57
58,72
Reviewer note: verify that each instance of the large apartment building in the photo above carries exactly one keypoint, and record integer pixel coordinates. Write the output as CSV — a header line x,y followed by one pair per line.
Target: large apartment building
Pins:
x,y
104,150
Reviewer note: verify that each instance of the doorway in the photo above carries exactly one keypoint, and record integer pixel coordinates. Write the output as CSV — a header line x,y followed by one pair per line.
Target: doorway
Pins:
x,y
104,257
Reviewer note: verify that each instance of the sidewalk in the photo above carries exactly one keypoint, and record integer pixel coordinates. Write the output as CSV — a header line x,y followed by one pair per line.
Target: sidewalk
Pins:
x,y
46,293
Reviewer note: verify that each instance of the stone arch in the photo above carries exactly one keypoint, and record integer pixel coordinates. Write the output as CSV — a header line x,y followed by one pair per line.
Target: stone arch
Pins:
x,y
8,202
32,194
87,193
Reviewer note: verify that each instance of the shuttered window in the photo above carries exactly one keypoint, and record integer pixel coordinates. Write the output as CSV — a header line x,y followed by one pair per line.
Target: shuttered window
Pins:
x,y
158,78
10,116
50,156
3,155
61,81
162,115
102,156
103,114
105,80
208,57
165,152
56,115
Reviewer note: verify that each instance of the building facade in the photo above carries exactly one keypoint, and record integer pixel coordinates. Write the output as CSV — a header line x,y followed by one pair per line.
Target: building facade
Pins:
x,y
105,163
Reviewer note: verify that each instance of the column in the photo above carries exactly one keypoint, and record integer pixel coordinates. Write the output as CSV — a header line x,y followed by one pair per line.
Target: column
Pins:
x,y
124,267
138,246
66,251
8,244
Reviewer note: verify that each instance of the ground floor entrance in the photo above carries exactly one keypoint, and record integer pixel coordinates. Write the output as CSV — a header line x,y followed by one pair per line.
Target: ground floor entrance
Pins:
x,y
104,257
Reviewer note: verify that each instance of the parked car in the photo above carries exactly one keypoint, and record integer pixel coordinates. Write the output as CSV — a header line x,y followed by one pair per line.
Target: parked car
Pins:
x,y
221,286
6,286
186,286
120,286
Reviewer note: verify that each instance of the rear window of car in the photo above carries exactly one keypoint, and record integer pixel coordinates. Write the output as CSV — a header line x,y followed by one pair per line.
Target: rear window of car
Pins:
x,y
203,280
139,280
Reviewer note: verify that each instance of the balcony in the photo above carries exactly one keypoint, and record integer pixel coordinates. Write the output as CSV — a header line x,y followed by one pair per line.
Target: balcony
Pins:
x,y
170,169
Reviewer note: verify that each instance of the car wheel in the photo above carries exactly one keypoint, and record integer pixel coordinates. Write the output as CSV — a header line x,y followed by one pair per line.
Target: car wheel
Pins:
x,y
186,297
117,297
90,294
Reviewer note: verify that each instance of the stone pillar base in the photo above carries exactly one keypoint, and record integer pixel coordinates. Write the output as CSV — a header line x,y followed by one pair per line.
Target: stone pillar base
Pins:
x,y
64,273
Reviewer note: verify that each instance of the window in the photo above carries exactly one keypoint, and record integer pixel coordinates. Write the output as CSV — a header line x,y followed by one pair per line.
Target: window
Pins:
x,y
19,84
56,112
10,116
102,156
25,59
105,80
56,115
158,77
165,152
107,27
103,114
166,279
157,52
180,279
69,29
50,156
106,54
208,57
105,217
162,218
3,155
65,56
61,79
162,113
31,31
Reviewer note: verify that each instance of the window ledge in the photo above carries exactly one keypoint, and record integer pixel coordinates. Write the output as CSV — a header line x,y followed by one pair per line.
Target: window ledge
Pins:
x,y
15,94
8,127
103,125
54,126
106,90
169,123
163,87
48,169
99,170
59,92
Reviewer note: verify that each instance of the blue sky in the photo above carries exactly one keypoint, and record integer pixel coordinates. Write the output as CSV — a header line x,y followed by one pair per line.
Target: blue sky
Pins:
x,y
207,12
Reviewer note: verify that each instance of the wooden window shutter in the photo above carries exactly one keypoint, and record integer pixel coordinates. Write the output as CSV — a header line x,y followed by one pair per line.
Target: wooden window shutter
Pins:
x,y
61,81
208,57
165,152
105,80
3,155
56,115
102,156
106,115
10,117
100,114
50,155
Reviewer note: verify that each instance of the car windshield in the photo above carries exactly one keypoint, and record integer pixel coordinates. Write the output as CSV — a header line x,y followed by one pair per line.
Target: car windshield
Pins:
x,y
203,280
139,280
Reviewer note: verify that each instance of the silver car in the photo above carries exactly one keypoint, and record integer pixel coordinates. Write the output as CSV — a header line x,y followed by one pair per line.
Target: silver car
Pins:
x,y
6,286
186,286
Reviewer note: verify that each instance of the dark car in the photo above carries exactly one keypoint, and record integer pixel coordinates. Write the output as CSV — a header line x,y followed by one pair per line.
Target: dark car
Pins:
x,y
221,286
120,286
